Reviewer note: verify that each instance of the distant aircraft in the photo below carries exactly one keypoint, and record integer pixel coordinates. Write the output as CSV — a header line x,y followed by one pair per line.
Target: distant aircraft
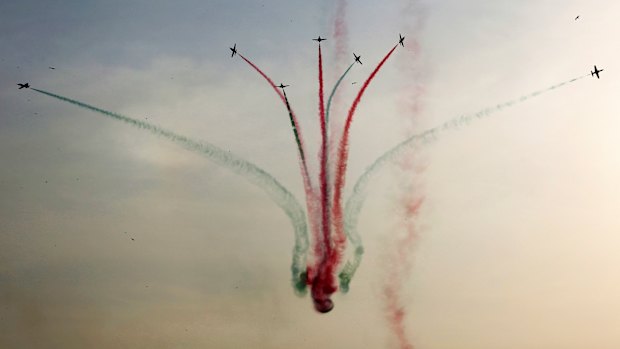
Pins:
x,y
357,58
52,68
401,39
319,39
234,50
26,85
282,86
576,18
596,71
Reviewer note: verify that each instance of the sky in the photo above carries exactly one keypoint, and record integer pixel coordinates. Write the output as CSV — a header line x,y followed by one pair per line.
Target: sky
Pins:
x,y
114,237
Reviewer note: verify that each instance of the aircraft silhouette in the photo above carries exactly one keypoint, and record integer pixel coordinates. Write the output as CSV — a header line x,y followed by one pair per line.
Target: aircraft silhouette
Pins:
x,y
576,18
595,72
319,39
282,86
357,58
401,39
26,85
234,50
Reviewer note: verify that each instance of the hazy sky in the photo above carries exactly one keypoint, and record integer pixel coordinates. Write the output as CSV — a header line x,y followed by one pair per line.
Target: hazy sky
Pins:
x,y
111,237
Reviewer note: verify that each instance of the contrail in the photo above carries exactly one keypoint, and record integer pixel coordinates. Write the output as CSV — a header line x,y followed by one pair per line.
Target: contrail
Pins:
x,y
254,174
356,200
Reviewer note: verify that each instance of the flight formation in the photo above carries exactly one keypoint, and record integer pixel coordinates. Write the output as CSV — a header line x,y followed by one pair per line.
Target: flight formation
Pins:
x,y
327,227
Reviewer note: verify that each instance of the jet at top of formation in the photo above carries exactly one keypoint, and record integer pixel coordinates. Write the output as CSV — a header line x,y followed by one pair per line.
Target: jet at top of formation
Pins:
x,y
401,40
26,85
234,50
595,72
282,86
319,39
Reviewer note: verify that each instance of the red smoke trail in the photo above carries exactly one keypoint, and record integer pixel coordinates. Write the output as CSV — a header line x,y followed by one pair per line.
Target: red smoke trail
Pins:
x,y
325,223
323,280
298,136
341,34
399,267
320,277
411,201
399,264
313,216
341,165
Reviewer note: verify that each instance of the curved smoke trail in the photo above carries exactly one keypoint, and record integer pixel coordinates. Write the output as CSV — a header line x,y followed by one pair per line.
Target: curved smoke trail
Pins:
x,y
296,128
356,200
341,168
331,95
314,216
254,174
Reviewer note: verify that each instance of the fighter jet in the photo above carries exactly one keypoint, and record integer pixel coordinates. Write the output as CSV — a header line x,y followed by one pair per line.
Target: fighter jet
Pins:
x,y
234,50
282,86
52,68
26,85
576,18
595,72
319,39
357,58
401,39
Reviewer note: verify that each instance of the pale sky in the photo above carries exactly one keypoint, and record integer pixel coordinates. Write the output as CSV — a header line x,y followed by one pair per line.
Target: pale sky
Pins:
x,y
518,234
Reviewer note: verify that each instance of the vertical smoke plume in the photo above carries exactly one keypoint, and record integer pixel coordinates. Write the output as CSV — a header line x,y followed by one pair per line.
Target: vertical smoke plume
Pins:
x,y
410,197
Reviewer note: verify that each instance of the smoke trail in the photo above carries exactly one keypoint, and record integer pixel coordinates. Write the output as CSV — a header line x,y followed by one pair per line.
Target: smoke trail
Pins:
x,y
400,265
331,95
340,34
323,244
313,211
340,31
325,221
296,128
254,174
341,168
356,200
411,199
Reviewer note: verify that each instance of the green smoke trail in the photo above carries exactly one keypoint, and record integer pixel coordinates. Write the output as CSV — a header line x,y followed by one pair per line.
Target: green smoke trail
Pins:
x,y
276,191
331,95
356,200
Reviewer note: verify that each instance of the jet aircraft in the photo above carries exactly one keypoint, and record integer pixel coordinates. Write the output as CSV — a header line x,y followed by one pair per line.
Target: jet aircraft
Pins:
x,y
26,85
401,40
234,50
595,72
319,39
357,58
